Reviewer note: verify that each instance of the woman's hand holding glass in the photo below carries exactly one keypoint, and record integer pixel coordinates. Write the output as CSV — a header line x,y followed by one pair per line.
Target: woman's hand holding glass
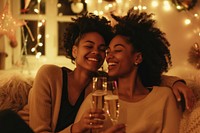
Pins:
x,y
89,121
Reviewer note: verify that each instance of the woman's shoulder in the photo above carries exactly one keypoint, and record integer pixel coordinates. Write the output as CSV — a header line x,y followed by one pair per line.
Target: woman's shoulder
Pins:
x,y
52,68
163,90
163,93
49,67
49,70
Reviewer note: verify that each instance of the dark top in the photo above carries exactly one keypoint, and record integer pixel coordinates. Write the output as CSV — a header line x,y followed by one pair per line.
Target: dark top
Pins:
x,y
67,112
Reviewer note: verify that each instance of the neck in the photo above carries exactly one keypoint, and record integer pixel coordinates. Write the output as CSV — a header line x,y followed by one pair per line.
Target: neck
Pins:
x,y
81,77
130,87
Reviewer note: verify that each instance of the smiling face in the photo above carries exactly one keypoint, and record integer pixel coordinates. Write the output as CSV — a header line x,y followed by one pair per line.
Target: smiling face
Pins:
x,y
89,54
120,57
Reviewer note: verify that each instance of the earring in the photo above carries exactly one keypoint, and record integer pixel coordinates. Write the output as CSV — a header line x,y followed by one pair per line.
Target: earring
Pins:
x,y
136,63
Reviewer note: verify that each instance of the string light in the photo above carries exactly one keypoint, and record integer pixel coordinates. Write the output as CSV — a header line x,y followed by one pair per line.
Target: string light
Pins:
x,y
40,23
120,7
140,6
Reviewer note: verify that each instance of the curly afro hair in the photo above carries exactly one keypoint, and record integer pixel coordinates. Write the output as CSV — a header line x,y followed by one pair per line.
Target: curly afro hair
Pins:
x,y
141,32
87,22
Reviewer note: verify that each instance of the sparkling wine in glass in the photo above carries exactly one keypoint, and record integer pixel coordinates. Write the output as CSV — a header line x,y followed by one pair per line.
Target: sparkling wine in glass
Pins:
x,y
112,101
99,86
99,91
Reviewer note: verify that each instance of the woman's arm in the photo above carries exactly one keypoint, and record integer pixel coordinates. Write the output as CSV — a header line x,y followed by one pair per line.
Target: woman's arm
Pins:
x,y
180,90
41,99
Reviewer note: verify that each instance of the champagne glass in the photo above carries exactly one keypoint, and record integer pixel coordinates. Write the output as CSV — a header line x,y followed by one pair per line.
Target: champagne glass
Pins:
x,y
99,91
112,101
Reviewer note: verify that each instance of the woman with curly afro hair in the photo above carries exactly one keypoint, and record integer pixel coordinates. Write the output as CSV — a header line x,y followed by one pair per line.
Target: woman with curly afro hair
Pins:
x,y
58,92
138,55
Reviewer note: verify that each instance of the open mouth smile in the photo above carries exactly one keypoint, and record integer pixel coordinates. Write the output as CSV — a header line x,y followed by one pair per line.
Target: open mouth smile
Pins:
x,y
93,59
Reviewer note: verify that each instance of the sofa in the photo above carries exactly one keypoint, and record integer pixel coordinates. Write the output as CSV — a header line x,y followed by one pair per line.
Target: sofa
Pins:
x,y
14,89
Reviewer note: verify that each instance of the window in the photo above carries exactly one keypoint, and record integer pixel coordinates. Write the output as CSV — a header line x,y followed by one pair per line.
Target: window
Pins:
x,y
51,19
46,21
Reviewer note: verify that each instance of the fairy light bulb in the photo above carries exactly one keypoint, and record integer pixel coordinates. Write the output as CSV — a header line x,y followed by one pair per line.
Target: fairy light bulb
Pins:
x,y
167,6
135,8
36,10
40,44
40,24
101,13
187,21
139,7
43,20
96,12
119,1
38,55
178,7
100,1
144,8
86,1
33,49
110,5
196,15
59,5
154,3
39,36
